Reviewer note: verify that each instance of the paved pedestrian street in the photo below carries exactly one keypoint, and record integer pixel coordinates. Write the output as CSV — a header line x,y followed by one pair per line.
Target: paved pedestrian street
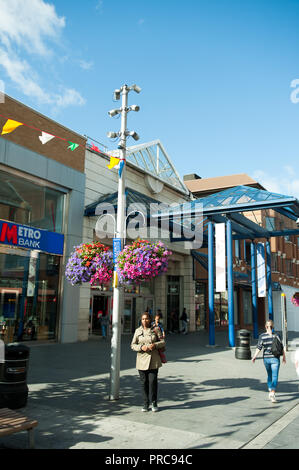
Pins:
x,y
208,399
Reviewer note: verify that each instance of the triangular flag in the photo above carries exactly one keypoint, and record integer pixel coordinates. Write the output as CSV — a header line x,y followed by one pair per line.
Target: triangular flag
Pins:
x,y
113,162
44,138
10,126
121,167
96,149
73,146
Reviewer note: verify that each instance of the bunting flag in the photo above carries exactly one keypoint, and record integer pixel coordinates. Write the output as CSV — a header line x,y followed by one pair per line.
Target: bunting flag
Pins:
x,y
96,149
10,126
113,162
72,146
45,137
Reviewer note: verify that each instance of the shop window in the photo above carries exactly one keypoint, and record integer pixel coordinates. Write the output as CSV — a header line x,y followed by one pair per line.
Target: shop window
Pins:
x,y
200,305
28,295
247,307
28,203
221,309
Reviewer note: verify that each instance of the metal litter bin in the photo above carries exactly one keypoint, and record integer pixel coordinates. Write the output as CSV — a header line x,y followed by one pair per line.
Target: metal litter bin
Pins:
x,y
242,350
13,376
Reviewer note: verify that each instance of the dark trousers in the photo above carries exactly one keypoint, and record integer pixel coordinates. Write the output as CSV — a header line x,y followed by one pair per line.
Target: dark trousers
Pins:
x,y
149,385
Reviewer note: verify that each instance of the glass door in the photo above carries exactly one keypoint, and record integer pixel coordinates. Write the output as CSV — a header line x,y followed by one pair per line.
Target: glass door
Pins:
x,y
149,306
127,316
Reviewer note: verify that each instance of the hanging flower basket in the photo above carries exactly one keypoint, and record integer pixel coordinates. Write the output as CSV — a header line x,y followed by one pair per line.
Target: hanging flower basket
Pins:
x,y
142,261
295,299
89,262
103,265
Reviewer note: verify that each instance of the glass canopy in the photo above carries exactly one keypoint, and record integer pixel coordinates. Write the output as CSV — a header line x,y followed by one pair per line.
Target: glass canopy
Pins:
x,y
236,204
152,158
244,198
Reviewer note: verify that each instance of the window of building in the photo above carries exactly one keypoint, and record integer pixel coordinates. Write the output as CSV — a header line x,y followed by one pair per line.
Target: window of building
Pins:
x,y
25,202
248,252
270,223
237,249
289,268
274,261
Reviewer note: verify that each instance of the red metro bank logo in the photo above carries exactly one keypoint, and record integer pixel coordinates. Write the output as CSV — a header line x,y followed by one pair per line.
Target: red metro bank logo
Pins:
x,y
20,235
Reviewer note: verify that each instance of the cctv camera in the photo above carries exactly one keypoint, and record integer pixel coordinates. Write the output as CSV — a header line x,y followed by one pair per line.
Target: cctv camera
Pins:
x,y
297,222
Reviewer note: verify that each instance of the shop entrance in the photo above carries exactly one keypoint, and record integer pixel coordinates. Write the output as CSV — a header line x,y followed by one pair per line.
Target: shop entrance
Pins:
x,y
173,303
100,306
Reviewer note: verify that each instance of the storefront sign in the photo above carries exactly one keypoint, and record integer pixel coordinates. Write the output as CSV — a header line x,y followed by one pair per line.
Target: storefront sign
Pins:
x,y
31,238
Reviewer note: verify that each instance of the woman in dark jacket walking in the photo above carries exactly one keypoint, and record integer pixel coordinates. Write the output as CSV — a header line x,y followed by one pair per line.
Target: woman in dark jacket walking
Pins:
x,y
271,362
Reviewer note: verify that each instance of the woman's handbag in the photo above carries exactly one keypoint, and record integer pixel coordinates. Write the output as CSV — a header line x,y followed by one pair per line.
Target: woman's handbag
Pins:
x,y
162,356
161,351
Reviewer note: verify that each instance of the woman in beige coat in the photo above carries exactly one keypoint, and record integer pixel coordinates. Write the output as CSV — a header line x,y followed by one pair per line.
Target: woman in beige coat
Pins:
x,y
146,342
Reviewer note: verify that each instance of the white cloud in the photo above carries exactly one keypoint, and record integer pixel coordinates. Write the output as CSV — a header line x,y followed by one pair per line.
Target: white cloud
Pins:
x,y
287,182
28,26
69,97
85,65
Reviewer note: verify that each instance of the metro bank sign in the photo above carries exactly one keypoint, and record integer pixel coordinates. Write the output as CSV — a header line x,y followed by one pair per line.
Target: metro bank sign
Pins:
x,y
31,238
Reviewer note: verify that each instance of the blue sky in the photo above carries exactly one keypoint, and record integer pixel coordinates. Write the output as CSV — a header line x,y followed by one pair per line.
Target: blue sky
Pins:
x,y
215,76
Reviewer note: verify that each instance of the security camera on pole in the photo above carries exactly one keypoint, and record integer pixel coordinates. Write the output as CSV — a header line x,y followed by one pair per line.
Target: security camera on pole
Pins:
x,y
118,242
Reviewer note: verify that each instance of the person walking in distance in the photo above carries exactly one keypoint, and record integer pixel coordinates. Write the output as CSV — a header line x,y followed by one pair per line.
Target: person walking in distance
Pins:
x,y
146,342
271,362
104,325
184,320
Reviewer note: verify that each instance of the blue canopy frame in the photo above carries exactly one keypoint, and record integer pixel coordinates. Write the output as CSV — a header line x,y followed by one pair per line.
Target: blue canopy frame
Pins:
x,y
228,207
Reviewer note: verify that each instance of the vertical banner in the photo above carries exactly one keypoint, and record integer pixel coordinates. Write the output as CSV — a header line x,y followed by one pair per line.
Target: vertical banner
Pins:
x,y
116,251
261,269
220,257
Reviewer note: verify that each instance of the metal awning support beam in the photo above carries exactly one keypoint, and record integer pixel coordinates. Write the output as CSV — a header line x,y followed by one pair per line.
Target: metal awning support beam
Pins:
x,y
236,227
258,232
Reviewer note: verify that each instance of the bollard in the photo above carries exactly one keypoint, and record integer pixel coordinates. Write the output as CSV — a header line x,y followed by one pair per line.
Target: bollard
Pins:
x,y
242,350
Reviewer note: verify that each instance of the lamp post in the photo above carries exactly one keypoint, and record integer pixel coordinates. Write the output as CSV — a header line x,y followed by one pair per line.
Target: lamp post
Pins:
x,y
120,231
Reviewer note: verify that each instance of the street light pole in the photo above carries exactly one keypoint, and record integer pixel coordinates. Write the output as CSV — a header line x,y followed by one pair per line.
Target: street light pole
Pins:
x,y
120,234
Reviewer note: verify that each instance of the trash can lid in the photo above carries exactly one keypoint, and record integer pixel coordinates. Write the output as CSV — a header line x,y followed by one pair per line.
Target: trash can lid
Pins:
x,y
16,350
